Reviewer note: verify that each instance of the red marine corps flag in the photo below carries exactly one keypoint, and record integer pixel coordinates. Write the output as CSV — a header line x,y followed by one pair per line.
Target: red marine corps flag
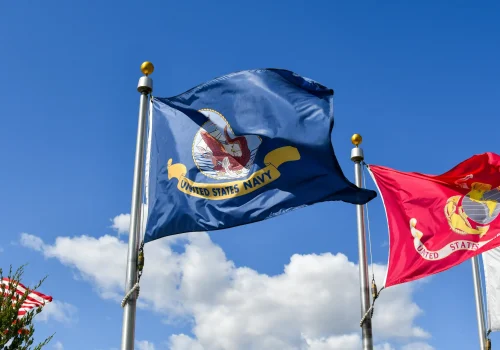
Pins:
x,y
438,221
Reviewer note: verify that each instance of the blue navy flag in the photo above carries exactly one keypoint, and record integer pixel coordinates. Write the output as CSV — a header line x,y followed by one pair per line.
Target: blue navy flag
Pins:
x,y
240,149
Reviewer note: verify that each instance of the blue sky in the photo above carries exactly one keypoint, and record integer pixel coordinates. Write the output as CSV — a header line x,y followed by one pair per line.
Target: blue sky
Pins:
x,y
418,80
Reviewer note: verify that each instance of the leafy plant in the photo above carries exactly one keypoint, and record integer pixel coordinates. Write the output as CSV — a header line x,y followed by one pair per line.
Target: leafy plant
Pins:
x,y
17,334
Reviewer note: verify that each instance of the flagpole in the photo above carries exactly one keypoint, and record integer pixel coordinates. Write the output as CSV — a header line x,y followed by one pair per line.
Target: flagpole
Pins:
x,y
145,87
479,302
357,157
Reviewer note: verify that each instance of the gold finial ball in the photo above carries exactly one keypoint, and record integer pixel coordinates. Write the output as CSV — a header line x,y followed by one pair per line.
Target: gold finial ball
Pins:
x,y
356,139
147,68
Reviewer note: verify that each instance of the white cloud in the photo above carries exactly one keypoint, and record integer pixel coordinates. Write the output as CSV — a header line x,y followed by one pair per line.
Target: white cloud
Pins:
x,y
31,241
145,345
342,342
121,223
59,311
183,342
313,304
58,346
417,346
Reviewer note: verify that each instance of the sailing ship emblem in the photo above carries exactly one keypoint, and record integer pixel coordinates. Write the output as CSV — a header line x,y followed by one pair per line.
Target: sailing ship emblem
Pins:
x,y
219,153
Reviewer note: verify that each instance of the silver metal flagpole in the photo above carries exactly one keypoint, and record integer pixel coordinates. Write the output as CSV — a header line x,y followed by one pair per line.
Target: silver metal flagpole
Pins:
x,y
357,157
145,87
479,303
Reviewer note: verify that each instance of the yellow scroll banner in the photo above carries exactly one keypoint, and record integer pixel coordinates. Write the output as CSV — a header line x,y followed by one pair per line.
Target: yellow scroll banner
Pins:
x,y
233,189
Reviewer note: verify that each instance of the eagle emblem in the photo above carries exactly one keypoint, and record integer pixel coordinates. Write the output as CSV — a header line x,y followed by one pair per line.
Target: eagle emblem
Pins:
x,y
219,153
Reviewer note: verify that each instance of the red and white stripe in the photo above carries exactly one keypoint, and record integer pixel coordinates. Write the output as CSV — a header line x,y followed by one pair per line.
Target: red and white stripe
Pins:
x,y
34,300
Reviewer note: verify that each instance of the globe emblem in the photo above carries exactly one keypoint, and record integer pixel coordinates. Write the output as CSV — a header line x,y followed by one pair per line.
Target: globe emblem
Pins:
x,y
484,210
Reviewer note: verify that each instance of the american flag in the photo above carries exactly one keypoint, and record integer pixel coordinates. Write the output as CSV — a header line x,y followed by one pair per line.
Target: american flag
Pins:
x,y
34,300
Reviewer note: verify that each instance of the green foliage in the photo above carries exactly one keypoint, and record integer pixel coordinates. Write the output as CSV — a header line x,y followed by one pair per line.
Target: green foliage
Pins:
x,y
18,332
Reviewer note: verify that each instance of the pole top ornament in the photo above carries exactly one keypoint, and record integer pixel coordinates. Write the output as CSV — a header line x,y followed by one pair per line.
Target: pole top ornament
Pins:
x,y
147,68
356,139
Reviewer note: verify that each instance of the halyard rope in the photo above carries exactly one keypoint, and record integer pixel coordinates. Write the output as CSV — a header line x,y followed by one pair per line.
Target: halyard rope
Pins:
x,y
140,257
375,293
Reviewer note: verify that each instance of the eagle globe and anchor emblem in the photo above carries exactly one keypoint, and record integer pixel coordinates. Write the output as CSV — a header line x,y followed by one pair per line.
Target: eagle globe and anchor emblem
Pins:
x,y
469,214
220,154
